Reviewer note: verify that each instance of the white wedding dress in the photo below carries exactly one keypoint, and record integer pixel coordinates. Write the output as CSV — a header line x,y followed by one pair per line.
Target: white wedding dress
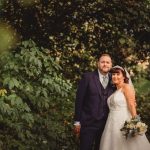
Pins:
x,y
112,138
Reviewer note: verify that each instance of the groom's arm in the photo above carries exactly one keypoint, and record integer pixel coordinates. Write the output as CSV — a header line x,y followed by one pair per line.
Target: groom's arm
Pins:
x,y
80,95
81,92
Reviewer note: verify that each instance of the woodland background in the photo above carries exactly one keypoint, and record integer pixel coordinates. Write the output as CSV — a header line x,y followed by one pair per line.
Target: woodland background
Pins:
x,y
45,47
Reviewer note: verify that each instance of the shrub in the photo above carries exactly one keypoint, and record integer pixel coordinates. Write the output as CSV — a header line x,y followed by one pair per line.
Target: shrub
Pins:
x,y
33,97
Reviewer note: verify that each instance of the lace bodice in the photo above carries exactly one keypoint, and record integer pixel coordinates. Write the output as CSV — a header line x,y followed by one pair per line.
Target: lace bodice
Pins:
x,y
117,100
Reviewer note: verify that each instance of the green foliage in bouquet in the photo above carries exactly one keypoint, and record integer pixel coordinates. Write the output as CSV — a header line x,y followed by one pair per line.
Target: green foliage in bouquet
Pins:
x,y
33,98
133,127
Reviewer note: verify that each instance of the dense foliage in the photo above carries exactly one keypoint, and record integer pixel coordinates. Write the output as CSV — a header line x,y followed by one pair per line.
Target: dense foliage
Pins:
x,y
36,96
75,31
33,97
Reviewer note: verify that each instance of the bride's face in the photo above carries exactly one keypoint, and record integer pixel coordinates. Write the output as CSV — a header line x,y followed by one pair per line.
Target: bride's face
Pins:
x,y
118,77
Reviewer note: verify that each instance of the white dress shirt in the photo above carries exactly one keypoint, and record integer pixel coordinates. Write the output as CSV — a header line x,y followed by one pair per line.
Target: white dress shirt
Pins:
x,y
101,76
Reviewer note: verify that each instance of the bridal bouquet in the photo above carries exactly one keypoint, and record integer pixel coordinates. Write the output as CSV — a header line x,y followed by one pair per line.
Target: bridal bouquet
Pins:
x,y
134,127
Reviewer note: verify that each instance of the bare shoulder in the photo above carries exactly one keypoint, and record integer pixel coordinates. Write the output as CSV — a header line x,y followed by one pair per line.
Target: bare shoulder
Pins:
x,y
127,88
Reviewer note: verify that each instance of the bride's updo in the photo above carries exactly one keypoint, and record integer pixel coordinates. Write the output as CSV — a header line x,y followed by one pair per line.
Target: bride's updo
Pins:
x,y
117,69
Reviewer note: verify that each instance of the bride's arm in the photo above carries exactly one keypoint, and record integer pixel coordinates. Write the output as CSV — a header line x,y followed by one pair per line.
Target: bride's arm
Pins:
x,y
130,97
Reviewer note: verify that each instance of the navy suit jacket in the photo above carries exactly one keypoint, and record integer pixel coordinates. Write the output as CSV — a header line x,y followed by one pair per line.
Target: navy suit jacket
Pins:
x,y
91,97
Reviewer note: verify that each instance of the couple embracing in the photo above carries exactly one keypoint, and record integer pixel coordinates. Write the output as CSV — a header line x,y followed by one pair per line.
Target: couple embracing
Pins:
x,y
104,101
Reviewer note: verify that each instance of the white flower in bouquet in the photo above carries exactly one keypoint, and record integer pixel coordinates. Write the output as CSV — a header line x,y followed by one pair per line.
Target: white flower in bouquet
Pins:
x,y
134,127
142,127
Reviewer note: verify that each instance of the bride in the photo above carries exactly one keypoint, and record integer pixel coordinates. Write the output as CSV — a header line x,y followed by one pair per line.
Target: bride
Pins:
x,y
122,107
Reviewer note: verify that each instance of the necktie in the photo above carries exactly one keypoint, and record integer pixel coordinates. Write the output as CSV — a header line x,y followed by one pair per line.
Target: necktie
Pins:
x,y
105,81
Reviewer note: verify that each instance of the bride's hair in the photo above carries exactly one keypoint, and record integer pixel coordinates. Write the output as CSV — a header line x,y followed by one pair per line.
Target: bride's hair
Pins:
x,y
117,69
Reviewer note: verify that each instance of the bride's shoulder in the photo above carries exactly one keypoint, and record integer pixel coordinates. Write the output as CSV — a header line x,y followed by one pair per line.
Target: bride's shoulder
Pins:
x,y
125,85
127,88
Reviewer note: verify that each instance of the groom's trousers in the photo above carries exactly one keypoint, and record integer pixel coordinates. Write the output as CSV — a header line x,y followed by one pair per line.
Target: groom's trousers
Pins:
x,y
90,136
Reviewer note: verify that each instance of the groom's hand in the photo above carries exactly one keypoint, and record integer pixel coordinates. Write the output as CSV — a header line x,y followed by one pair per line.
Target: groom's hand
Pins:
x,y
77,129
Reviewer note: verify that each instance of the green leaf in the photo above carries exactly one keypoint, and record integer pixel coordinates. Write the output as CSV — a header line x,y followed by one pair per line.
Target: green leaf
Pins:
x,y
122,41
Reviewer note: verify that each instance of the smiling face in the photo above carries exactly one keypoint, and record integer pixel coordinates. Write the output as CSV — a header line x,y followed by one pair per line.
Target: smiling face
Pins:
x,y
104,64
117,77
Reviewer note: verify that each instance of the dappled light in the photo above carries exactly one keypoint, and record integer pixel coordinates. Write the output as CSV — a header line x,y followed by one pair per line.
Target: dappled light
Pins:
x,y
27,3
8,37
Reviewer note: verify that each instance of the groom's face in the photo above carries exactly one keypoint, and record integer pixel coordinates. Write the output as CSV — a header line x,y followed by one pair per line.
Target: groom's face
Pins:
x,y
104,64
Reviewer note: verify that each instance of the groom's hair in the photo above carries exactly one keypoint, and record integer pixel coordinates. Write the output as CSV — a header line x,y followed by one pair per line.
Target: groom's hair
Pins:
x,y
104,54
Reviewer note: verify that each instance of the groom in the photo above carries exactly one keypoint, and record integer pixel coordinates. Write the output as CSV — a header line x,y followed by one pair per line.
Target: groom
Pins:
x,y
91,108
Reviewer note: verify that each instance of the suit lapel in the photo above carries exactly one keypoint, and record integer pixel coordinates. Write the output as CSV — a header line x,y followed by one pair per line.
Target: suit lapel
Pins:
x,y
110,86
110,81
97,81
